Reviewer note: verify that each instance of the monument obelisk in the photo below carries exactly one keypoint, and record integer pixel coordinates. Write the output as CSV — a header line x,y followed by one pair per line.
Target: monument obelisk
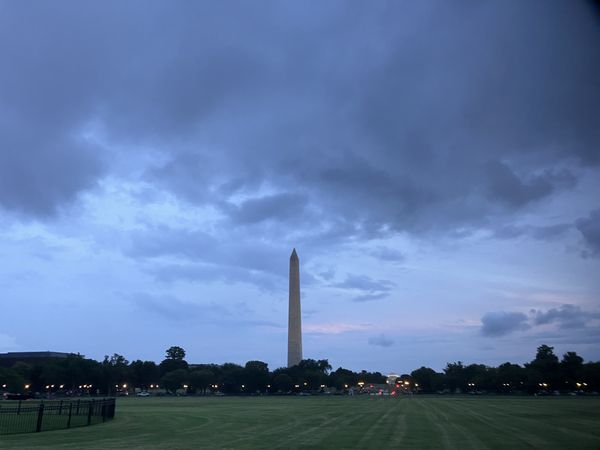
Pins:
x,y
294,319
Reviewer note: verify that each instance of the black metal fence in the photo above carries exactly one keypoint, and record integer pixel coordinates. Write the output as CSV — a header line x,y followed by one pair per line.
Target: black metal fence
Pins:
x,y
31,417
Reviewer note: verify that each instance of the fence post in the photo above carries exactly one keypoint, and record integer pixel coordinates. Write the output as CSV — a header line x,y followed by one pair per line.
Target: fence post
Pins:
x,y
19,408
60,408
77,412
90,412
70,411
38,428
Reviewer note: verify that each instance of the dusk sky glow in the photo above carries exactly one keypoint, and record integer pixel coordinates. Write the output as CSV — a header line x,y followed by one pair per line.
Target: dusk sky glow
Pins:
x,y
435,164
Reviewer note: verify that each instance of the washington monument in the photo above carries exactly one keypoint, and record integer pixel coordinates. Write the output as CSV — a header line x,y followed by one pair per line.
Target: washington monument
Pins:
x,y
294,319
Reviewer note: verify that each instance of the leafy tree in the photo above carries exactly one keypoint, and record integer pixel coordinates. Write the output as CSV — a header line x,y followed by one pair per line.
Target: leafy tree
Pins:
x,y
455,376
571,366
172,381
23,369
590,374
174,360
169,365
53,373
144,373
341,378
543,369
231,378
372,377
115,371
479,377
12,379
175,353
427,379
201,380
510,377
282,382
255,376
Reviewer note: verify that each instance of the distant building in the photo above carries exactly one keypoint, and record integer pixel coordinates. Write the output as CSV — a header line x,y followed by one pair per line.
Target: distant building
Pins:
x,y
391,379
10,358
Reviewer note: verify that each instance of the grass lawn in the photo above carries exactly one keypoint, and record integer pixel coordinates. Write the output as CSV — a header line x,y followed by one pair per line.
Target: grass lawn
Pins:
x,y
334,422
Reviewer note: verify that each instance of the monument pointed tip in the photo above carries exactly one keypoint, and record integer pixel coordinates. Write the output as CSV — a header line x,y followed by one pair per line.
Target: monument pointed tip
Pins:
x,y
294,254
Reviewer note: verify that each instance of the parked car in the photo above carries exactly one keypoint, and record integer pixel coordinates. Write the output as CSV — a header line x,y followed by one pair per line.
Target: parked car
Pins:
x,y
143,394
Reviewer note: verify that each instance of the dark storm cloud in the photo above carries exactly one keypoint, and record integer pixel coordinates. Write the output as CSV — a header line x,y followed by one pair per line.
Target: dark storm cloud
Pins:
x,y
172,308
197,247
566,316
388,254
210,273
590,230
381,341
505,187
543,233
495,324
370,289
278,207
39,171
378,118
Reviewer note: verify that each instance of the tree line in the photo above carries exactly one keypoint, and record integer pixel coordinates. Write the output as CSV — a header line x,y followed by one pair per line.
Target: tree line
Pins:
x,y
76,375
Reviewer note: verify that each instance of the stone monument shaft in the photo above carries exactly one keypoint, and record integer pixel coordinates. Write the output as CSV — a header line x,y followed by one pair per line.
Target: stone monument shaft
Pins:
x,y
294,318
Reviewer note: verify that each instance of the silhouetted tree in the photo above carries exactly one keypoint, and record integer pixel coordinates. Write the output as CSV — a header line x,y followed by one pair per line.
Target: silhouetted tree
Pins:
x,y
231,378
510,377
571,367
12,379
172,381
200,380
144,373
174,360
175,353
543,370
255,376
282,382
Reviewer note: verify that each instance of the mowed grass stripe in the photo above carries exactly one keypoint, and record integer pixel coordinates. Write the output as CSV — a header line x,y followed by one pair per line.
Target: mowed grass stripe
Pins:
x,y
541,423
335,422
494,430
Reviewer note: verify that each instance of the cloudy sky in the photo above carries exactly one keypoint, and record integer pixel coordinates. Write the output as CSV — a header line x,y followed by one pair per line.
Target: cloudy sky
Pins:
x,y
435,164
